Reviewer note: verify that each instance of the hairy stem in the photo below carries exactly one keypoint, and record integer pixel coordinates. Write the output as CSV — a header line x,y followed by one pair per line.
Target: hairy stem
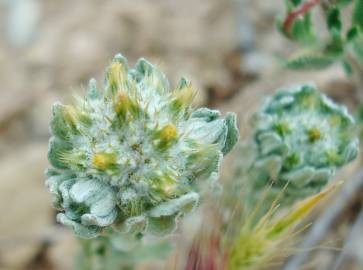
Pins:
x,y
98,254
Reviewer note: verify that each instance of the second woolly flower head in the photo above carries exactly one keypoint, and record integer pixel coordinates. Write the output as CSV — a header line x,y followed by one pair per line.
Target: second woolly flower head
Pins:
x,y
131,156
300,138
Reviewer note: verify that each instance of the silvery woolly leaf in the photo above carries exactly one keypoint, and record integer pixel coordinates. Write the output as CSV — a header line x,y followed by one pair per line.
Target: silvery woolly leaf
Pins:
x,y
163,225
206,114
101,221
183,204
232,133
79,229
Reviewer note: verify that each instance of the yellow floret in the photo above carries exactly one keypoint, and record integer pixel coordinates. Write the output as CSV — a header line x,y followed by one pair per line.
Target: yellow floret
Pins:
x,y
168,133
103,161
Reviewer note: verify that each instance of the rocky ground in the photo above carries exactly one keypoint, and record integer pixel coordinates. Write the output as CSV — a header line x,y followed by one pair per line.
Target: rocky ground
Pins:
x,y
49,50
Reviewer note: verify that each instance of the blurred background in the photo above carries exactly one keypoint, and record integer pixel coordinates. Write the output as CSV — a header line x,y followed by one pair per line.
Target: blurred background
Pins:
x,y
50,49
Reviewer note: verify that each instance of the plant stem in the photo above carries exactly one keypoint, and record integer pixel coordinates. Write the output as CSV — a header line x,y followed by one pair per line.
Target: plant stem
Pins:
x,y
99,254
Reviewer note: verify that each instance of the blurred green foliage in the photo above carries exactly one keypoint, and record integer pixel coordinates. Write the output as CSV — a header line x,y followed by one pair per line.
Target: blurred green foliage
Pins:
x,y
321,49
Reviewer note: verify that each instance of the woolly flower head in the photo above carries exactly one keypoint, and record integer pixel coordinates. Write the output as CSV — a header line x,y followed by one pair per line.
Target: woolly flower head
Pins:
x,y
300,138
130,156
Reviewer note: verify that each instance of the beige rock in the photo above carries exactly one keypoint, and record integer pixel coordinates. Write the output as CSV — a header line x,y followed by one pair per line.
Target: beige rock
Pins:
x,y
24,204
63,252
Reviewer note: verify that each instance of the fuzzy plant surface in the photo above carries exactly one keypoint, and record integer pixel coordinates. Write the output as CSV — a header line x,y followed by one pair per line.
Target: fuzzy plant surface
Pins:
x,y
300,138
112,252
341,43
131,156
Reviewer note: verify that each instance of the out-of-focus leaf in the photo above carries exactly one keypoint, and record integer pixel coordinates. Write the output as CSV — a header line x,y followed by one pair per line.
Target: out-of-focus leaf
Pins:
x,y
308,61
342,3
352,33
358,47
280,25
347,67
334,48
334,22
295,3
358,13
359,115
302,30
